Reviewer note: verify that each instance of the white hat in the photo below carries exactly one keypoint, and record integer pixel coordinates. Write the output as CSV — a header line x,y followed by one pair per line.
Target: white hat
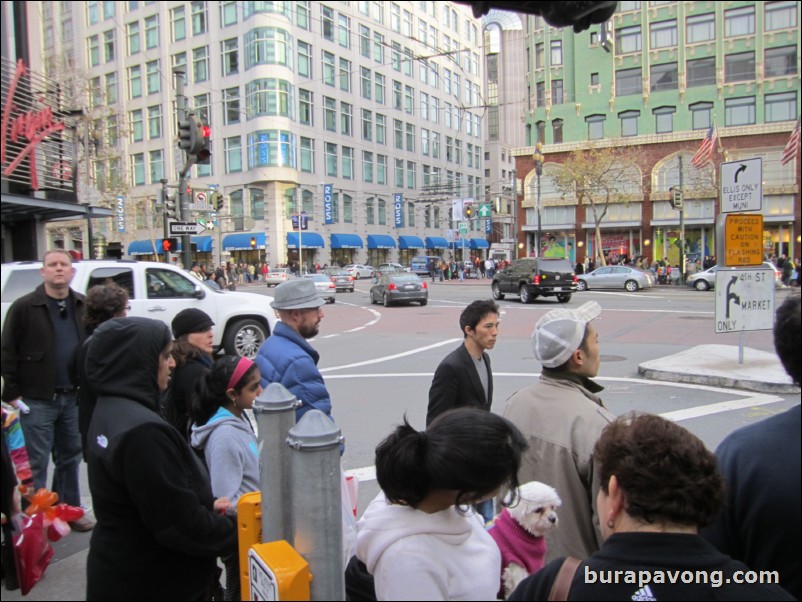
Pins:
x,y
560,332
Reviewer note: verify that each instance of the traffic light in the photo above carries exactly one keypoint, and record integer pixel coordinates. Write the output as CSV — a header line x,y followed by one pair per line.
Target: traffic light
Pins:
x,y
676,197
170,207
170,245
468,211
253,242
204,153
187,134
217,200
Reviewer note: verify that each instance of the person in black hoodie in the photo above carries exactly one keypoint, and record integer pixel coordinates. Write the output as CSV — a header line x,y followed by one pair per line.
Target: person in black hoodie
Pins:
x,y
159,530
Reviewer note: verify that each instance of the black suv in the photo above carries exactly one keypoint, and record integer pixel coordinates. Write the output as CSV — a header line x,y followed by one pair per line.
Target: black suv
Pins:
x,y
534,277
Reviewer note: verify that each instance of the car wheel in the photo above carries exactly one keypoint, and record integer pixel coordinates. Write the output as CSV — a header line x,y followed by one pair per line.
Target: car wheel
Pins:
x,y
525,296
631,286
424,302
563,298
497,294
385,300
701,285
244,338
581,285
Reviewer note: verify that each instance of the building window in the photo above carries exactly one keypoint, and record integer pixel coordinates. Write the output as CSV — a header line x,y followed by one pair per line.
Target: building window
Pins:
x,y
557,92
628,82
272,148
367,125
198,18
739,111
134,43
739,21
780,15
269,46
540,94
780,107
138,169
137,126
304,59
701,115
302,14
200,64
109,45
343,31
663,34
94,51
327,22
307,155
257,203
230,56
154,77
367,166
135,81
151,32
780,61
556,56
365,82
346,119
664,119
328,69
111,88
270,96
557,131
540,128
231,112
399,173
540,56
156,166
378,80
348,162
629,40
179,22
594,79
411,175
228,13
381,169
627,5
382,204
664,77
700,28
331,159
595,127
345,75
739,67
629,123
410,138
330,114
154,122
701,72
305,107
233,152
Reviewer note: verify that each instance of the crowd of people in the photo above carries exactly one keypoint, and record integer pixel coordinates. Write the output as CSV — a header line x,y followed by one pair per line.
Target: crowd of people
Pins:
x,y
164,429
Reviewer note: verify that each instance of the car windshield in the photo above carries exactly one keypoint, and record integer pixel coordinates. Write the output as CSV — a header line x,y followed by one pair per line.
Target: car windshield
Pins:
x,y
317,277
405,278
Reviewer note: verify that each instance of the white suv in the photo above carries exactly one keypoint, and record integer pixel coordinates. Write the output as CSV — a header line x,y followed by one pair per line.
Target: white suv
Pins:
x,y
159,291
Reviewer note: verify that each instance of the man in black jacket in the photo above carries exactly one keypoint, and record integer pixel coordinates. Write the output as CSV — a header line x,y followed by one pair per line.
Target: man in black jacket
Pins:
x,y
41,332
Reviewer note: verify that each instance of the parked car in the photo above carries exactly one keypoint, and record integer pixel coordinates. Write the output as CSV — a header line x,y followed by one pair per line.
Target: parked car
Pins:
x,y
615,276
278,275
706,280
396,287
390,267
343,281
420,264
534,277
159,290
357,270
324,286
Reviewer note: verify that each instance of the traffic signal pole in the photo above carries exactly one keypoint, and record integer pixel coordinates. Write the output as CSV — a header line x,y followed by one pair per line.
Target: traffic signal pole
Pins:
x,y
183,199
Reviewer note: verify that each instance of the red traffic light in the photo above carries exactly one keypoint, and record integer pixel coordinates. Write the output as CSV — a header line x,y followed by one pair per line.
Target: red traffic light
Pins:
x,y
207,131
169,245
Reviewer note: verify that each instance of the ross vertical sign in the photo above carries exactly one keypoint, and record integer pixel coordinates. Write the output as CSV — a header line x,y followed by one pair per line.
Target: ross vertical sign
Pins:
x,y
120,214
398,200
328,195
488,226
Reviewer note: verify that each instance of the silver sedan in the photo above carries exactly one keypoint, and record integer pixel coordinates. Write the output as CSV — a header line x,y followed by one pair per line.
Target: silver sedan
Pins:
x,y
615,276
324,286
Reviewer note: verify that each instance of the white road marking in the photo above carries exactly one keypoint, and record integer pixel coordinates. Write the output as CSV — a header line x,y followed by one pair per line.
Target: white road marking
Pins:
x,y
388,358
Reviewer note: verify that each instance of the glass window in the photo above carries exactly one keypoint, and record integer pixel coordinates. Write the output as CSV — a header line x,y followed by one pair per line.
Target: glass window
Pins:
x,y
410,137
411,177
628,82
231,109
594,79
343,31
595,127
739,111
739,21
154,77
331,159
138,169
556,57
228,13
701,72
780,61
540,56
701,115
367,125
270,96
780,15
330,114
179,21
151,32
304,59
269,46
664,119
154,122
156,166
378,80
381,169
134,43
557,131
328,68
272,148
305,107
364,41
664,77
137,126
366,82
348,162
629,123
345,75
781,107
346,119
381,129
307,155
94,50
198,18
399,173
629,40
663,34
230,56
135,81
257,203
111,88
109,45
233,152
367,166
200,64
557,92
302,14
700,28
739,67
327,22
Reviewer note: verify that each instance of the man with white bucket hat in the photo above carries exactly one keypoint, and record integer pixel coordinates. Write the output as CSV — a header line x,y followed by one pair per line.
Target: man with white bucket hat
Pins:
x,y
561,417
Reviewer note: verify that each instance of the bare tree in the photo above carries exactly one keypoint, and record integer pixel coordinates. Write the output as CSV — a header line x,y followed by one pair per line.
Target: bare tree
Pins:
x,y
597,177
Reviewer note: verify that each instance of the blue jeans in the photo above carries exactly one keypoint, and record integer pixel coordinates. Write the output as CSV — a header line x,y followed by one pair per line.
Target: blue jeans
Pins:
x,y
485,510
52,426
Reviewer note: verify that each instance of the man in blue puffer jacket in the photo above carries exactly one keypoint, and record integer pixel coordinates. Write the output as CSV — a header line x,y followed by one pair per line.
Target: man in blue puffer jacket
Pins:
x,y
286,357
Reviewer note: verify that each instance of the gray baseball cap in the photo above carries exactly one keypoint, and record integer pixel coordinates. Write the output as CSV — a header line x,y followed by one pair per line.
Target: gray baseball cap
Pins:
x,y
560,332
299,293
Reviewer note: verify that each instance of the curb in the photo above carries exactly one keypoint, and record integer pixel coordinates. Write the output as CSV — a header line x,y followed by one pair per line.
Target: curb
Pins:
x,y
717,381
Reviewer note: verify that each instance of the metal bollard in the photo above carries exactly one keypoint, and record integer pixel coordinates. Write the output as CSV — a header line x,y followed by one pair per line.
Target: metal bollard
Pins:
x,y
316,498
274,410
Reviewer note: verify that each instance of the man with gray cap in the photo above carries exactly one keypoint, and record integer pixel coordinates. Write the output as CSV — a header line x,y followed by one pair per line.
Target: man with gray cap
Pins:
x,y
286,357
561,417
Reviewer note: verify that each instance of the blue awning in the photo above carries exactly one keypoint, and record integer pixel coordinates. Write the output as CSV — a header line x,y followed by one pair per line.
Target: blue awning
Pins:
x,y
242,241
380,241
460,244
479,243
142,247
310,240
345,241
409,242
204,243
436,242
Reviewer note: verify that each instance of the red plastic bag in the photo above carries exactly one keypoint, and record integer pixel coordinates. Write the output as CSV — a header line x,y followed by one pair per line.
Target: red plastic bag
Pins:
x,y
32,550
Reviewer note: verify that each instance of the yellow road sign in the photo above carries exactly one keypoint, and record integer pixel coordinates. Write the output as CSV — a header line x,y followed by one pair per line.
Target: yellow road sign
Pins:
x,y
743,239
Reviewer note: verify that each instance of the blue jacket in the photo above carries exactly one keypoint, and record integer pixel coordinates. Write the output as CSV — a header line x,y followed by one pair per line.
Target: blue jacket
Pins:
x,y
286,358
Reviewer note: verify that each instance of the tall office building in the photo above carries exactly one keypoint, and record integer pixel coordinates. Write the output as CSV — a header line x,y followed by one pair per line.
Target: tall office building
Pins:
x,y
655,84
374,106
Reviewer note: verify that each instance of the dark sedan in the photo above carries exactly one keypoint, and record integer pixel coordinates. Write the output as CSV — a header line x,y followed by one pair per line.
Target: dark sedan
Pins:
x,y
398,287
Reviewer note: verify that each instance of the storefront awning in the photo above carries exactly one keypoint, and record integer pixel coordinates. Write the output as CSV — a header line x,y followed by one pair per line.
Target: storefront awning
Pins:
x,y
204,243
310,240
462,243
436,242
380,241
142,247
345,241
242,241
409,242
479,243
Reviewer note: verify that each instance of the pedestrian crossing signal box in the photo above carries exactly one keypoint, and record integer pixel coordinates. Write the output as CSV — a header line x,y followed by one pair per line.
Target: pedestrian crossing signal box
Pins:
x,y
268,571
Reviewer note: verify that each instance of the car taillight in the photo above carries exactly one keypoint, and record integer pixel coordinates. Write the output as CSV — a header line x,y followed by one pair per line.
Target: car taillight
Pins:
x,y
332,279
536,279
424,285
391,287
332,285
575,279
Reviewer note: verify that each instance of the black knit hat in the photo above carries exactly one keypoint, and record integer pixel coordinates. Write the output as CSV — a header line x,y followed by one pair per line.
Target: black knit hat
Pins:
x,y
190,320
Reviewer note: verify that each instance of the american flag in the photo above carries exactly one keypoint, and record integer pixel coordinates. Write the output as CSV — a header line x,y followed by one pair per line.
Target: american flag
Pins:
x,y
792,148
706,150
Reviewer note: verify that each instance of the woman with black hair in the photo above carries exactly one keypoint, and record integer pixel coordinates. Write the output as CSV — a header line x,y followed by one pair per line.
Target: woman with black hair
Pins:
x,y
419,538
222,432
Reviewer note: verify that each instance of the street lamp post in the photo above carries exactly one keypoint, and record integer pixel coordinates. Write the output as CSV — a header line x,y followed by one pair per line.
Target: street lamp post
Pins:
x,y
538,157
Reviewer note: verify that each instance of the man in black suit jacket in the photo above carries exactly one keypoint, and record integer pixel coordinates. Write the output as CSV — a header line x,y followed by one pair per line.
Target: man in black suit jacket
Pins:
x,y
464,377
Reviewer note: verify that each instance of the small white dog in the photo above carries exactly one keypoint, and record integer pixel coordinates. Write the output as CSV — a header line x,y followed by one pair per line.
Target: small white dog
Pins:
x,y
519,532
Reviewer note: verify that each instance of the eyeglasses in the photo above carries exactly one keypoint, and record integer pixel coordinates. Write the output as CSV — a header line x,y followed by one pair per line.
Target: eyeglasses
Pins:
x,y
62,308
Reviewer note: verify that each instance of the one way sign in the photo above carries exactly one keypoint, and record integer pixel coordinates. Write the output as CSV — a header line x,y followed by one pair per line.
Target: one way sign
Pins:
x,y
177,228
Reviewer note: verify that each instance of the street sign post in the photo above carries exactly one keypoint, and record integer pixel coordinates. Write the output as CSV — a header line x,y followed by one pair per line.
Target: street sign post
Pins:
x,y
742,185
177,228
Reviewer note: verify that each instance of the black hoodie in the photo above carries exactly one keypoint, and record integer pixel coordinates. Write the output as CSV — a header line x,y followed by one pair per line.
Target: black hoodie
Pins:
x,y
157,536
